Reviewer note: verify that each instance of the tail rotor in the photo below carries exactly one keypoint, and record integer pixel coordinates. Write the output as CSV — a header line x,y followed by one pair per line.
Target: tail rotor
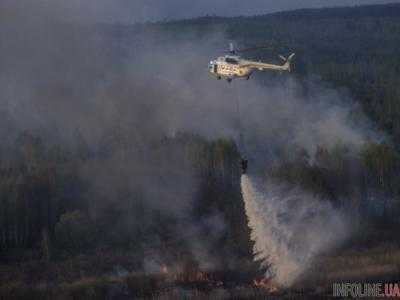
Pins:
x,y
287,61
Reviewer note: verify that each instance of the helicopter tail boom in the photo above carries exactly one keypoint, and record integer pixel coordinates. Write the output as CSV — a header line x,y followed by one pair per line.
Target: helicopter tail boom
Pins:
x,y
264,66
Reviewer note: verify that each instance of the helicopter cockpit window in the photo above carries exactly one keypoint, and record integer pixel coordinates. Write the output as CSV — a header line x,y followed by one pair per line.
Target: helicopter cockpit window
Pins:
x,y
231,60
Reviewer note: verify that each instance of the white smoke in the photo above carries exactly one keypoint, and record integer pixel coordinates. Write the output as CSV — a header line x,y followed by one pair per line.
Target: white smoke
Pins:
x,y
164,88
289,228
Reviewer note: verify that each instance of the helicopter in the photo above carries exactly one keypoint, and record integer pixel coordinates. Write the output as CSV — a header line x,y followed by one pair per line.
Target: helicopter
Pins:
x,y
233,66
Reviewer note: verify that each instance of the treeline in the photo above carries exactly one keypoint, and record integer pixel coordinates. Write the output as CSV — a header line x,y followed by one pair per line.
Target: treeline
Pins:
x,y
185,205
365,183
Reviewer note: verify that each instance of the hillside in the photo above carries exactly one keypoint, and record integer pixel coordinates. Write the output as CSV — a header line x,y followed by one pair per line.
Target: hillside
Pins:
x,y
120,160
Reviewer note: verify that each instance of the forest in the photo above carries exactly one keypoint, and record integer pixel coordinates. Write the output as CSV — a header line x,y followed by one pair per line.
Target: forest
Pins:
x,y
93,180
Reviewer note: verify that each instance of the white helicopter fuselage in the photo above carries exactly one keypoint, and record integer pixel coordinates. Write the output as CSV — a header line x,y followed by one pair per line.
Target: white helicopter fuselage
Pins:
x,y
228,67
232,66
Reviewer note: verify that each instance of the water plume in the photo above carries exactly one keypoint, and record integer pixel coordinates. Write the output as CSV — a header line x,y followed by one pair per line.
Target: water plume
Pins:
x,y
289,228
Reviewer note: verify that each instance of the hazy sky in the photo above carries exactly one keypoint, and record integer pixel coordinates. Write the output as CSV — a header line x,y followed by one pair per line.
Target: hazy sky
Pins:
x,y
128,11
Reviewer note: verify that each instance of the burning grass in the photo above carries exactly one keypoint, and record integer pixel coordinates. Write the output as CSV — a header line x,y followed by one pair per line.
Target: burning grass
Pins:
x,y
190,282
163,285
266,283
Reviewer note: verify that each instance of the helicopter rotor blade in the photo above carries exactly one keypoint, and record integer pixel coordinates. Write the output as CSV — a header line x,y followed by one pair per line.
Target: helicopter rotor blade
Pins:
x,y
255,48
282,57
231,48
270,46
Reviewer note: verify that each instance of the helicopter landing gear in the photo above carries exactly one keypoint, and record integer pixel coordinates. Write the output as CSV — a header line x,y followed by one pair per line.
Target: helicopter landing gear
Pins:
x,y
219,78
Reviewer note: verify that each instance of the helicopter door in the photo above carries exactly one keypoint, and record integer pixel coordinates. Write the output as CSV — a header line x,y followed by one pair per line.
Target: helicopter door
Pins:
x,y
215,68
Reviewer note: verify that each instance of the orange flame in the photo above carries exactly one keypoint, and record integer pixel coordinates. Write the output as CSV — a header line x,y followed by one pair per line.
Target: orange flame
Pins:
x,y
265,283
164,269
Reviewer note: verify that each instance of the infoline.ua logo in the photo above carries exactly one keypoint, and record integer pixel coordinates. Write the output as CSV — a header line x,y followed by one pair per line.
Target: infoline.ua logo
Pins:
x,y
359,290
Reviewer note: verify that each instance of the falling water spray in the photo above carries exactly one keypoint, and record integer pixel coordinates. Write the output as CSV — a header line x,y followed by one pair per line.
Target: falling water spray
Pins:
x,y
289,228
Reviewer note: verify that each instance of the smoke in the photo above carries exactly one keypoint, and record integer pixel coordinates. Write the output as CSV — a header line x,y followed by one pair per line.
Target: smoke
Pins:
x,y
289,227
105,85
60,78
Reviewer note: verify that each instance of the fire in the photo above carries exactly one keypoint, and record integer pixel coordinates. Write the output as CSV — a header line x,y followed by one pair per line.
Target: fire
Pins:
x,y
198,277
194,277
191,276
209,280
201,276
266,283
163,269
